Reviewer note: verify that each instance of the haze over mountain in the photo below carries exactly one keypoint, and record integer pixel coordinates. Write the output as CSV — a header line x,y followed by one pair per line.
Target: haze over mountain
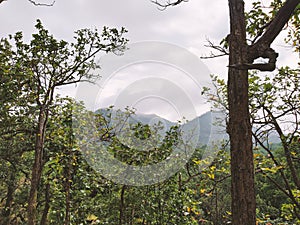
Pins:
x,y
209,125
202,125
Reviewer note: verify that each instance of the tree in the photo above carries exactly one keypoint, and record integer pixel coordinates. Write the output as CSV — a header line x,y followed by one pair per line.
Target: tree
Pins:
x,y
275,111
16,127
47,64
241,58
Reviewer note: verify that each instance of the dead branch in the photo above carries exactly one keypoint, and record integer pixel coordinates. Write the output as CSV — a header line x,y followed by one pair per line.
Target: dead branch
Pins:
x,y
38,4
222,50
167,3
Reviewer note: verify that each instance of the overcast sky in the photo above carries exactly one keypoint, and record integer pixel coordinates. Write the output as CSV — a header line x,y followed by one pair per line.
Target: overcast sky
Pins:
x,y
187,26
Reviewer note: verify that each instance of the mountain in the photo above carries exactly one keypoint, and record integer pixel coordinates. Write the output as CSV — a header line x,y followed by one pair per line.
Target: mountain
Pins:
x,y
201,127
152,119
209,127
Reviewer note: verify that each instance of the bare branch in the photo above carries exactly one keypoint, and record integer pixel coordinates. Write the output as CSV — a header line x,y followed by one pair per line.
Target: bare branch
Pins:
x,y
39,4
212,56
168,3
222,50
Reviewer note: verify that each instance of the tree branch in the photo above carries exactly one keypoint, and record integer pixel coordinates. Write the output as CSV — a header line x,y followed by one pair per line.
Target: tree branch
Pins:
x,y
261,48
267,53
276,25
287,193
222,50
38,4
168,3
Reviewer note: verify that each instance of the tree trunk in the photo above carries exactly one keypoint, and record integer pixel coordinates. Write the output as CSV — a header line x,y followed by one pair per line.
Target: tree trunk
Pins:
x,y
37,166
6,211
239,127
122,206
68,177
44,220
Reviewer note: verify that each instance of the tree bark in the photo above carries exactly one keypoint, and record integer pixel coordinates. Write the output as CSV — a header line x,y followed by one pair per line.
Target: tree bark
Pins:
x,y
37,166
239,127
44,220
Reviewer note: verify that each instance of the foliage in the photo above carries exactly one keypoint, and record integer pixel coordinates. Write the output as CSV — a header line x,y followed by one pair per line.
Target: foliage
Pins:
x,y
72,192
30,74
260,16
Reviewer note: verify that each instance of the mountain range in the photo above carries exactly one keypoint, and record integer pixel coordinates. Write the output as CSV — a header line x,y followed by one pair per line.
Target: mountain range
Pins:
x,y
203,125
210,125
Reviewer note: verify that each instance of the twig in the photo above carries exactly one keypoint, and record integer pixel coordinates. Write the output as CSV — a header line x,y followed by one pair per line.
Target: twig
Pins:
x,y
222,50
38,4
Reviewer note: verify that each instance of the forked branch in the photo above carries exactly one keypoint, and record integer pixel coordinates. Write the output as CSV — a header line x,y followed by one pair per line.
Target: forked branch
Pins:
x,y
277,24
262,47
222,50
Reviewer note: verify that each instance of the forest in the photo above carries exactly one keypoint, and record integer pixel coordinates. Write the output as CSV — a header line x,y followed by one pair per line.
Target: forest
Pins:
x,y
47,149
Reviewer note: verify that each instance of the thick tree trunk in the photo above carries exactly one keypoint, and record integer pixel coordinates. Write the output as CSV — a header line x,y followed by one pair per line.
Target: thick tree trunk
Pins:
x,y
37,167
239,127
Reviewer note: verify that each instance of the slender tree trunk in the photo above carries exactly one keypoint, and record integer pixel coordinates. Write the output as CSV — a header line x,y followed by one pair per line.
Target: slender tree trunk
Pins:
x,y
287,153
68,176
122,206
44,220
6,212
37,166
239,127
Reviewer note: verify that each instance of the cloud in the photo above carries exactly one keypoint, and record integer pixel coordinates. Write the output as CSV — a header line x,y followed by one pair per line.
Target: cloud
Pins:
x,y
187,25
153,77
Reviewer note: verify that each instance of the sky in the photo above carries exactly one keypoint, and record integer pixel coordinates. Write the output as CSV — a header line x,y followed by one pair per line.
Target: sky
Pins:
x,y
164,83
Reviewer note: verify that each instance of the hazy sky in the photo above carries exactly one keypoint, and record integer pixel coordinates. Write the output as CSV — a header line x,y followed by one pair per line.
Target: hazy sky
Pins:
x,y
187,26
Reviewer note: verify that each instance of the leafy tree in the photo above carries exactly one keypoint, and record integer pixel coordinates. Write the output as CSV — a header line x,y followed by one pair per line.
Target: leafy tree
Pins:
x,y
47,64
274,115
275,111
87,196
66,190
241,59
16,129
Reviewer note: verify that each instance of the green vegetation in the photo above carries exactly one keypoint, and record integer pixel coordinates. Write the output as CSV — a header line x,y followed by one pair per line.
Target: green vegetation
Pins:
x,y
46,179
71,192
